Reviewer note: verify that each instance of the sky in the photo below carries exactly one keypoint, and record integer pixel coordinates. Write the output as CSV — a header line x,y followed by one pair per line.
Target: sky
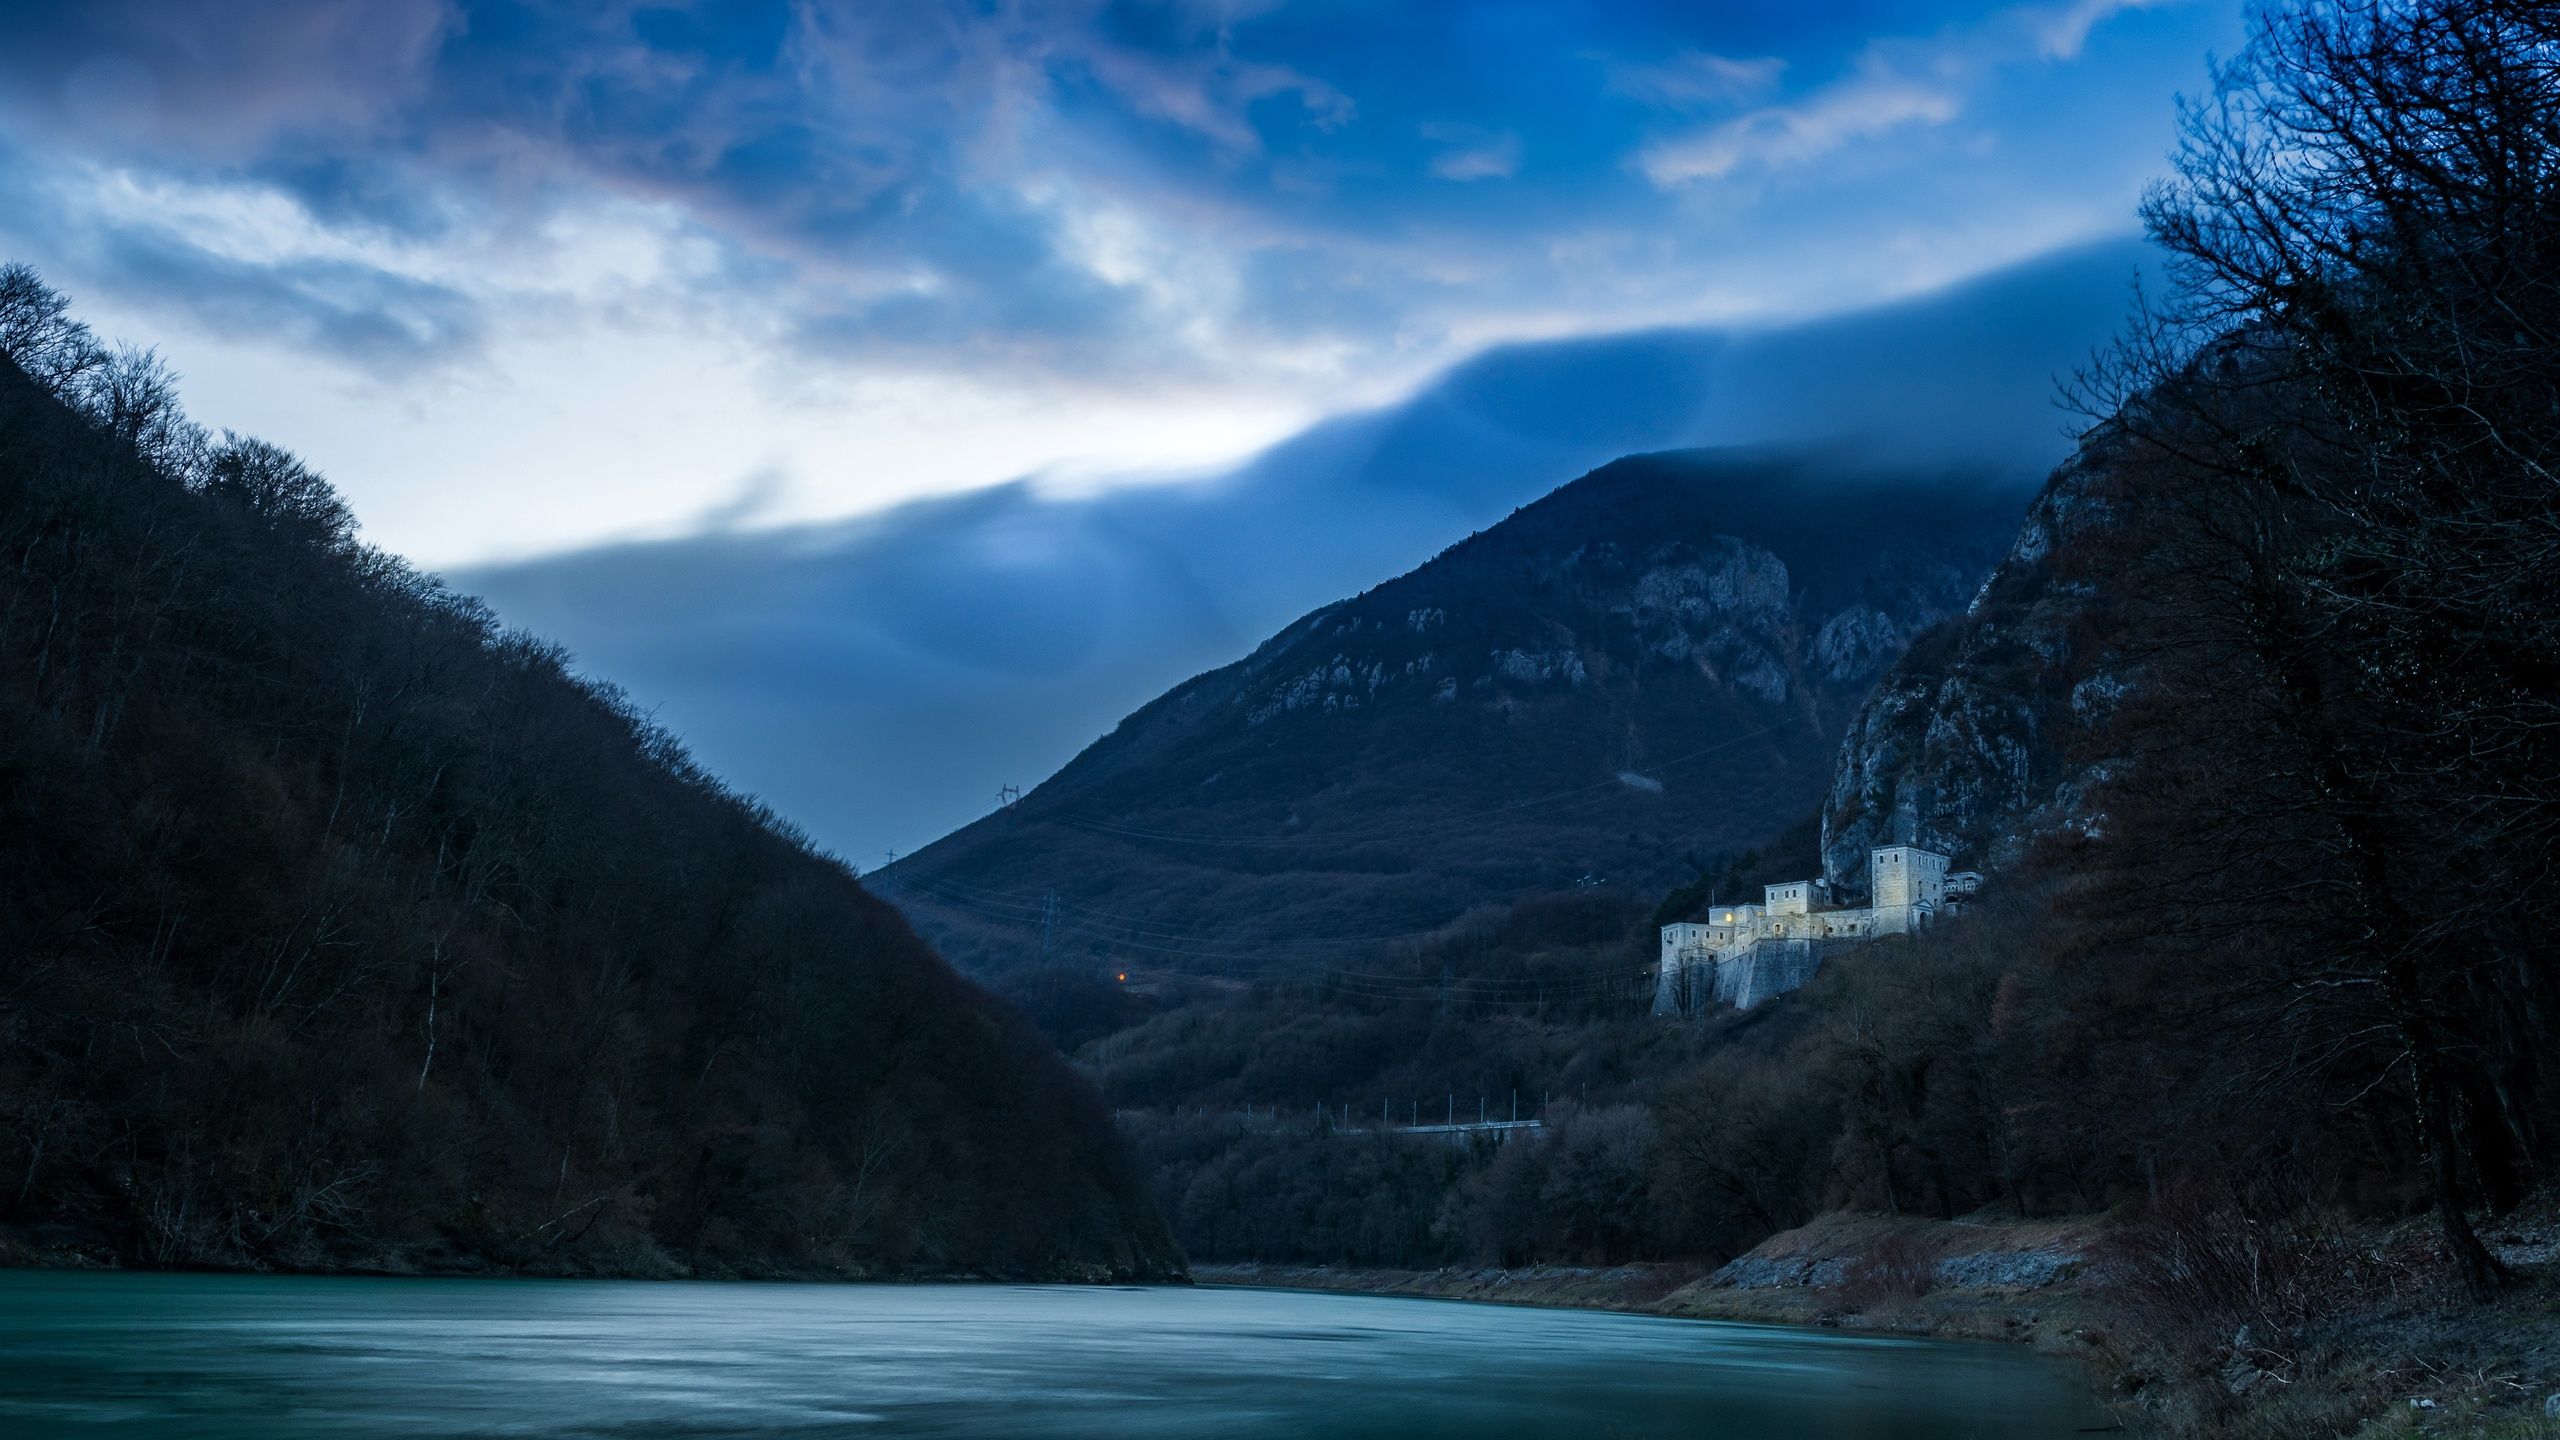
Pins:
x,y
545,288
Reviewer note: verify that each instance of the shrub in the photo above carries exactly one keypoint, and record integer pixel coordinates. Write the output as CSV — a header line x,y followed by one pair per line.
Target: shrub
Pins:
x,y
1898,1266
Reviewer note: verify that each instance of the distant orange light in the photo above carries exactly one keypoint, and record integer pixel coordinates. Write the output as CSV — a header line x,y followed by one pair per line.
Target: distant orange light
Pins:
x,y
1124,977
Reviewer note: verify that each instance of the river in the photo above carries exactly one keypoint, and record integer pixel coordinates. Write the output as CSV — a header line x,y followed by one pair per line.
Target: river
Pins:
x,y
278,1358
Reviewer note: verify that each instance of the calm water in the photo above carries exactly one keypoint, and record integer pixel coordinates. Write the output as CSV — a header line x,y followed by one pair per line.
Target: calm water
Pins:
x,y
204,1355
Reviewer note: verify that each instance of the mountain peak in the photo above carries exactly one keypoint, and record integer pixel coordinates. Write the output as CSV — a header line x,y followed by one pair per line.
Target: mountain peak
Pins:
x,y
1652,662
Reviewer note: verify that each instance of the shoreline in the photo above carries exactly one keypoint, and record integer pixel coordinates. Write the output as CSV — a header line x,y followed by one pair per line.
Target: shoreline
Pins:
x,y
1782,1283
1963,1329
2414,1362
2019,1282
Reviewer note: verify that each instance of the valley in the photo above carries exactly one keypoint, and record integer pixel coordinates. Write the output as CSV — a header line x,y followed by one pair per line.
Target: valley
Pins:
x,y
1517,696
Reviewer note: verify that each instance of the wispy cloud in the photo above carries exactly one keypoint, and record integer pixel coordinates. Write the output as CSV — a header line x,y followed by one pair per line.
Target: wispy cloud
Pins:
x,y
1209,95
1693,79
1893,85
388,324
2062,31
1473,153
1780,137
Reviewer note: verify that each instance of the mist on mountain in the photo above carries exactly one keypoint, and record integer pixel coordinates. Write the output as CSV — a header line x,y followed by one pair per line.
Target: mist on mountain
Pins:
x,y
982,639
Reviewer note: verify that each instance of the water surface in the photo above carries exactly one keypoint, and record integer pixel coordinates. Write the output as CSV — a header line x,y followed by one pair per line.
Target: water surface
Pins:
x,y
280,1358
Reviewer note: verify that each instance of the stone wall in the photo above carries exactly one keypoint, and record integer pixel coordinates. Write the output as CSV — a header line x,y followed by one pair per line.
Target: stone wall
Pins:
x,y
1771,967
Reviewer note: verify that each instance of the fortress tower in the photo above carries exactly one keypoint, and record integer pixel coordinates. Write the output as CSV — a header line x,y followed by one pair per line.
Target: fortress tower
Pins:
x,y
1671,981
1908,885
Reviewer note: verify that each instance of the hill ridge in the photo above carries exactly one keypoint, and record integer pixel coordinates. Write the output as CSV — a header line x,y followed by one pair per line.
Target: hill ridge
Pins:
x,y
1581,651
347,930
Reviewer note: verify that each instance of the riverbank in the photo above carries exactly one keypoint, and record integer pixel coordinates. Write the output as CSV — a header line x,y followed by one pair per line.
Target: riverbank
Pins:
x,y
2015,1281
2388,1352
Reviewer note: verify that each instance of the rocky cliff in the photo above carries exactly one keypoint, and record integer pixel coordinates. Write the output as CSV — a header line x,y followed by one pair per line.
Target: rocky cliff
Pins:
x,y
1990,731
1652,664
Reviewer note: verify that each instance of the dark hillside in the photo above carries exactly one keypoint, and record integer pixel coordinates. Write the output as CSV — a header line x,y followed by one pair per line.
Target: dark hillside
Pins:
x,y
340,928
1649,667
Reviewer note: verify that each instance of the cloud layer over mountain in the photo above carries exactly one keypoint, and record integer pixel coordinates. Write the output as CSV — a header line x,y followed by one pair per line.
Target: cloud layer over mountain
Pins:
x,y
882,678
525,277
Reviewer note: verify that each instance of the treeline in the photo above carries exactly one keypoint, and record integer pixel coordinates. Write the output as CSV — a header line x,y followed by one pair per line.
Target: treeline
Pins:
x,y
344,927
1989,1063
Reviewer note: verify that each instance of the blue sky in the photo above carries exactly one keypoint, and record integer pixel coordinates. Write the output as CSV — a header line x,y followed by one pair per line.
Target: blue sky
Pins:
x,y
526,277
895,394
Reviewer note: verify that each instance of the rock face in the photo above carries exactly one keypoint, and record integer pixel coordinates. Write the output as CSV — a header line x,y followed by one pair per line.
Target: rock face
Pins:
x,y
1983,735
1651,664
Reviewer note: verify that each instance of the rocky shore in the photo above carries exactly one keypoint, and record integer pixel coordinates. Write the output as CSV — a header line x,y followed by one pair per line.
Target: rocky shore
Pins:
x,y
1966,1279
2413,1362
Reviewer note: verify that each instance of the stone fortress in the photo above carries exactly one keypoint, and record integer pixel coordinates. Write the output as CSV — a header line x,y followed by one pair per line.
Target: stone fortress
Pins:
x,y
1740,955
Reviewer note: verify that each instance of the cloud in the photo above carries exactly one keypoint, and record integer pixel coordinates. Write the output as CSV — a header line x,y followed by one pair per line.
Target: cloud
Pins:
x,y
2062,31
937,244
1473,153
757,494
1693,79
1211,96
1782,137
922,185
1892,85
387,324
238,260
206,78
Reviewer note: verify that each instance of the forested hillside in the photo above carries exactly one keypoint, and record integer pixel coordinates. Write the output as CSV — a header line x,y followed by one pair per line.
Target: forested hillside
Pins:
x,y
344,929
1411,848
2277,664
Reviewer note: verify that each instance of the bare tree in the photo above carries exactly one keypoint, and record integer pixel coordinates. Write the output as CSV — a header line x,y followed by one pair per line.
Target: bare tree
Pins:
x,y
132,394
2349,407
278,489
37,331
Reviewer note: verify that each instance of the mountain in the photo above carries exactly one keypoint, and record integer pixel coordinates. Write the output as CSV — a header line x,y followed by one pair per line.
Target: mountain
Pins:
x,y
1651,666
344,929
1996,730
982,639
